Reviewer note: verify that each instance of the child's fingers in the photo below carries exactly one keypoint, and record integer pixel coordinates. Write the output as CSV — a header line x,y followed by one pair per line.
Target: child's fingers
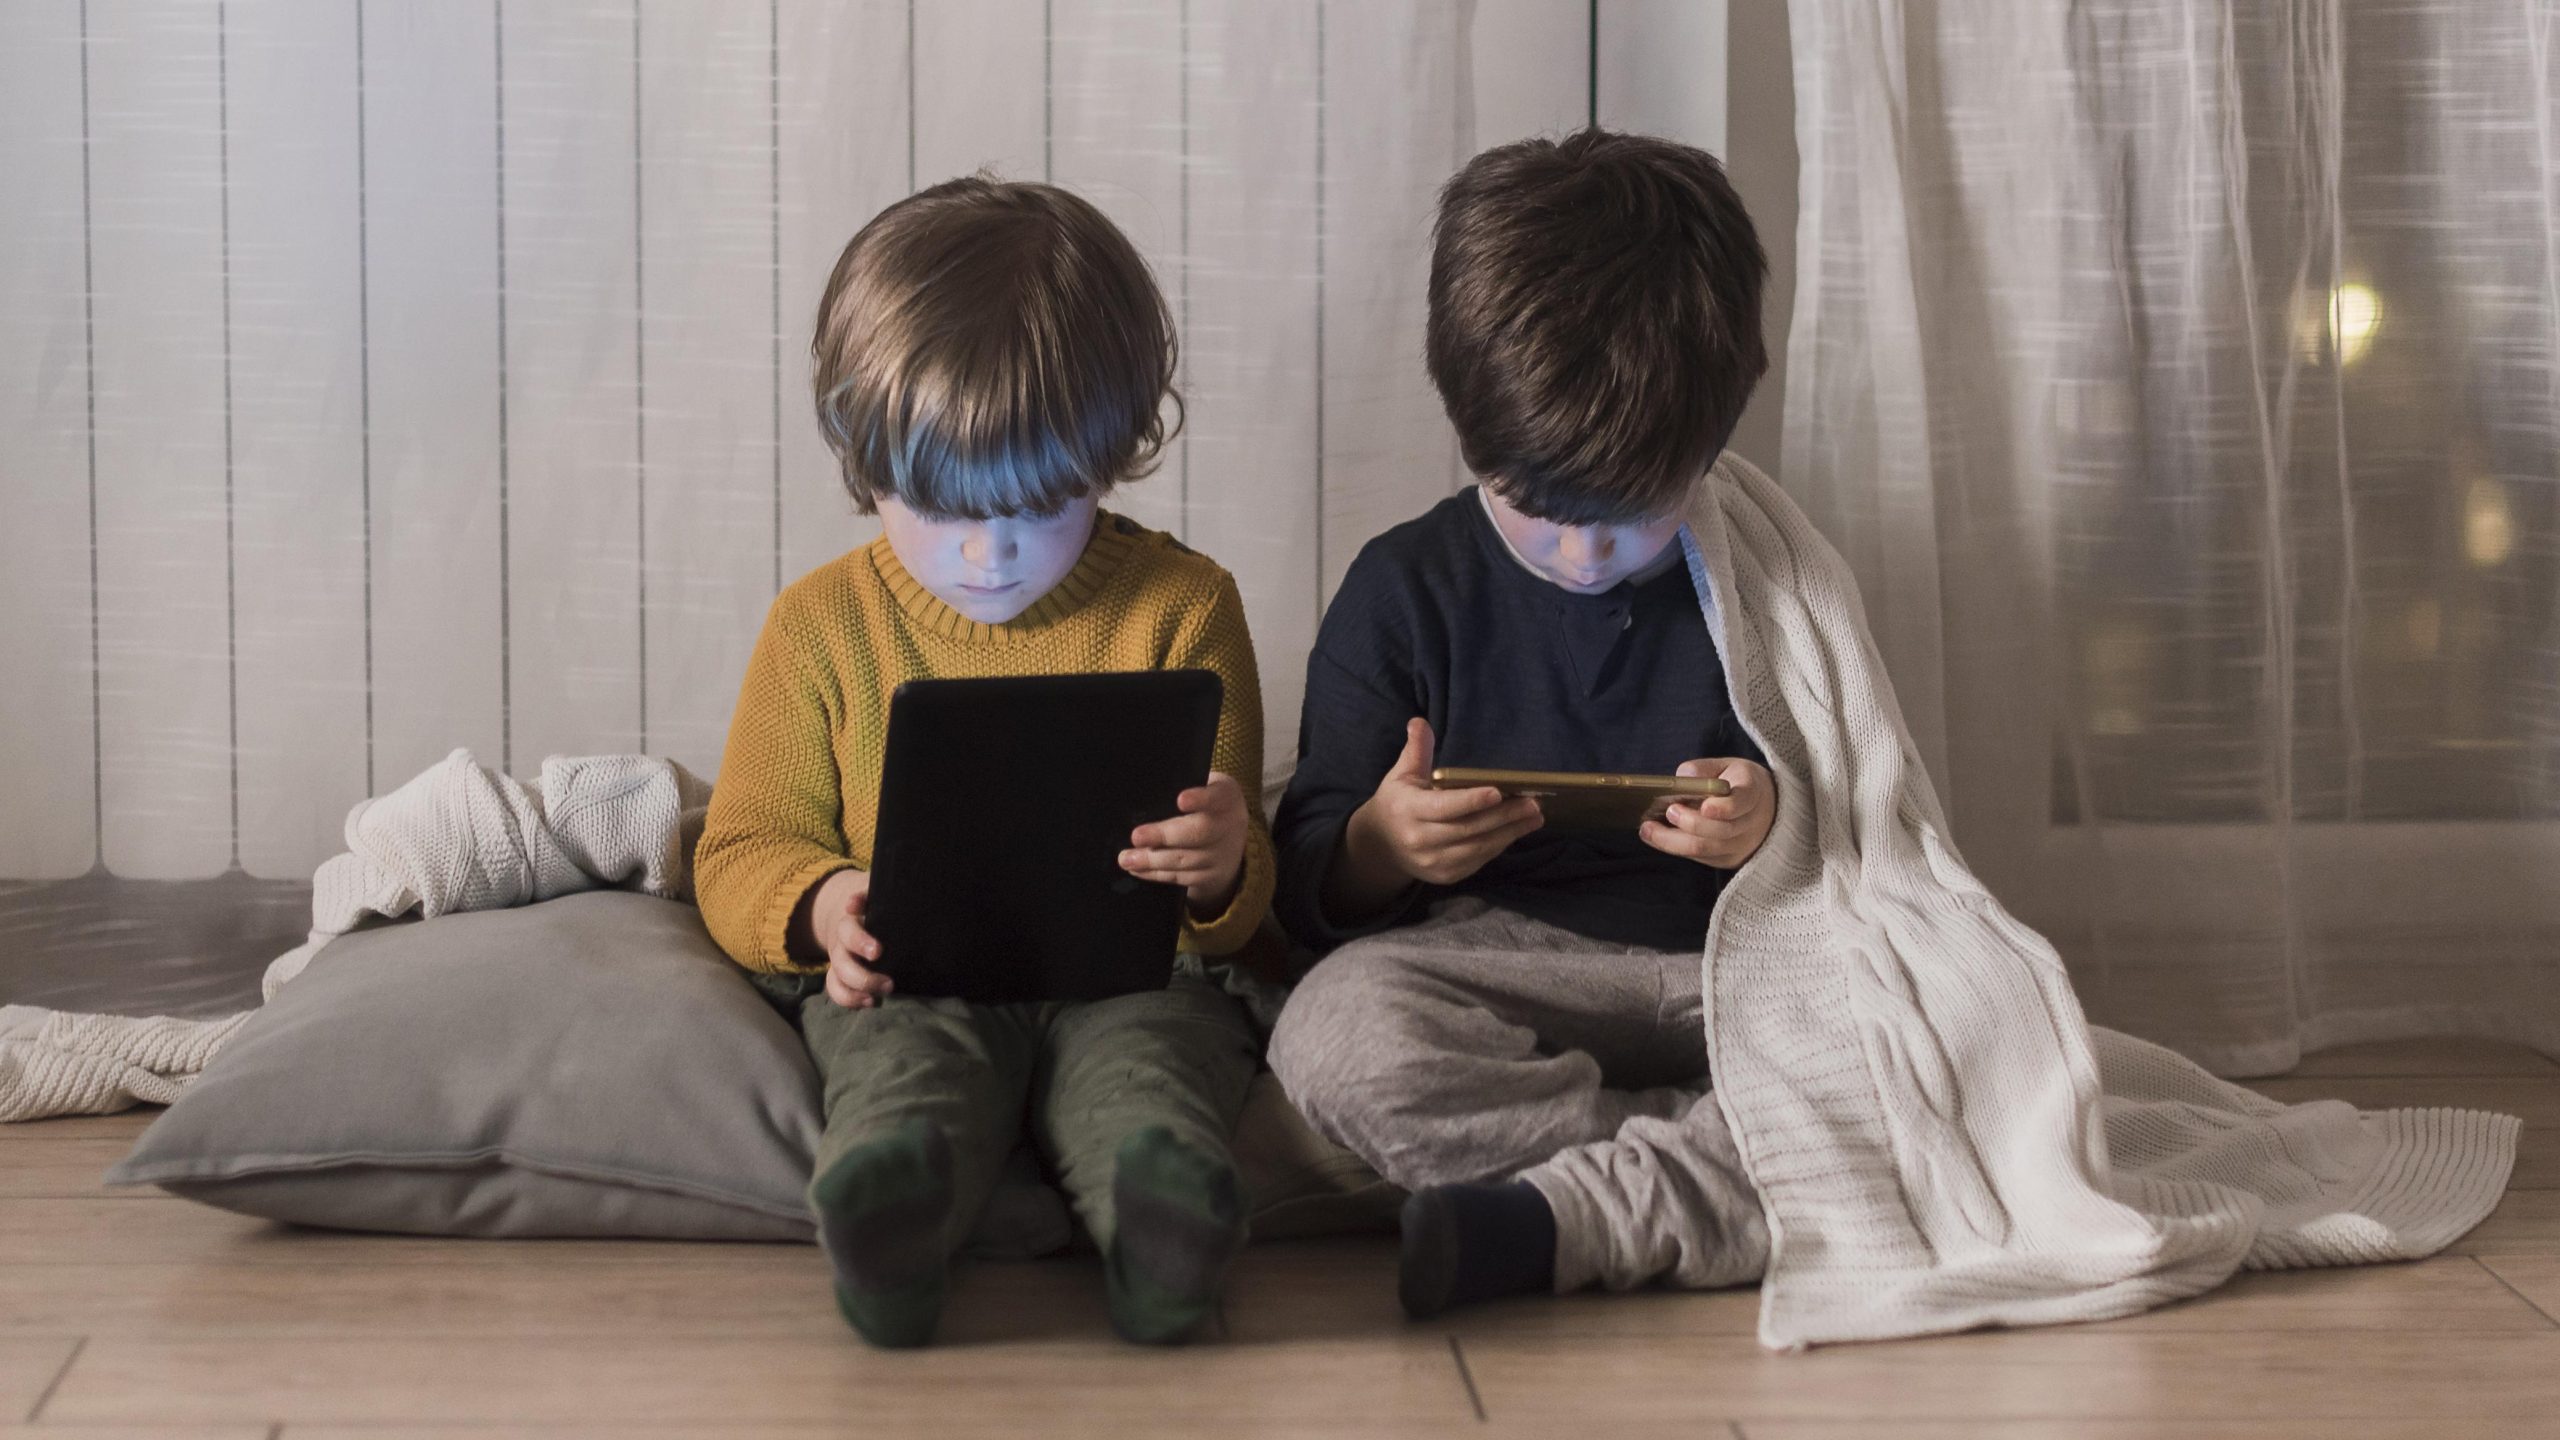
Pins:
x,y
851,937
1713,828
846,996
1745,782
1713,807
1521,814
854,985
1746,786
1414,763
1184,878
1474,849
1499,839
837,991
857,975
1677,842
1221,790
1183,865
1722,852
1443,806
1188,832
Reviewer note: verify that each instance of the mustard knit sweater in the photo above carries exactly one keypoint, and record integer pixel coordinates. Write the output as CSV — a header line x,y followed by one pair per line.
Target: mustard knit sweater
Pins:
x,y
799,791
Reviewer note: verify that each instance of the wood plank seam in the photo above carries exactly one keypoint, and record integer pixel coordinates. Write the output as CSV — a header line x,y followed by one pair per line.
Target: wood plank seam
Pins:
x,y
35,1412
1475,1400
2483,1263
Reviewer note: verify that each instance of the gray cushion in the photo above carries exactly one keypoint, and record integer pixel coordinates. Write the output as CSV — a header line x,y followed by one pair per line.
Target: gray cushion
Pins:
x,y
591,1065
587,1066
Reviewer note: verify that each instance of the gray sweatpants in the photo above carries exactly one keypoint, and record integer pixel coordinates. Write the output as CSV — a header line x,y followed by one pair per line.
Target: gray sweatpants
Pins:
x,y
1481,1045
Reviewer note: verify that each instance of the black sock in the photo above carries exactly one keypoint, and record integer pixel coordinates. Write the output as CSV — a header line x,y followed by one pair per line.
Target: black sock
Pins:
x,y
1464,1244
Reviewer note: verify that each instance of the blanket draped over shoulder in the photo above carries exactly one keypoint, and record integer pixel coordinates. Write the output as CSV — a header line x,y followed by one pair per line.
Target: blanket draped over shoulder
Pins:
x,y
1938,1137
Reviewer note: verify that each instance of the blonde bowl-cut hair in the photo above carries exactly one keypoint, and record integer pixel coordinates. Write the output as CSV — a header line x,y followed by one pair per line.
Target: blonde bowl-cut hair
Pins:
x,y
989,347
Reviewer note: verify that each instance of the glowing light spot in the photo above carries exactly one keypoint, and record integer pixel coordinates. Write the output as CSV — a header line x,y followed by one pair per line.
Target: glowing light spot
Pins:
x,y
2355,312
2341,324
2488,525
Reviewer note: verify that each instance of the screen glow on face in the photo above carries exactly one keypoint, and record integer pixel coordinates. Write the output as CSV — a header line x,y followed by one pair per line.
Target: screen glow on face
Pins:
x,y
994,569
1585,559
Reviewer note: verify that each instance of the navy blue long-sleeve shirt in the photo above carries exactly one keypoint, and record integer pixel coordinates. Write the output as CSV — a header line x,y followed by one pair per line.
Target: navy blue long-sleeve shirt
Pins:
x,y
1438,618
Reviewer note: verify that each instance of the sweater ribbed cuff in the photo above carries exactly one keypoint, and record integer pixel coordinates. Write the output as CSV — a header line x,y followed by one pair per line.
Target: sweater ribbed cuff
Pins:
x,y
773,934
1227,931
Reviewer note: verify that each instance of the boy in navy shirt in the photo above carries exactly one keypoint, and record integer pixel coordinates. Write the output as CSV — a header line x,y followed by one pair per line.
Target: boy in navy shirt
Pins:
x,y
1505,993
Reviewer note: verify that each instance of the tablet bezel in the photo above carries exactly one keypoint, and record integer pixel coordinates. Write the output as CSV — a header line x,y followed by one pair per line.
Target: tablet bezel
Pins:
x,y
975,895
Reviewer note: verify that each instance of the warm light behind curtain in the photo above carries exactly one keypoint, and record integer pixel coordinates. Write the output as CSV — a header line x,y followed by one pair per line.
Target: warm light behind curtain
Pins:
x,y
380,377
2179,375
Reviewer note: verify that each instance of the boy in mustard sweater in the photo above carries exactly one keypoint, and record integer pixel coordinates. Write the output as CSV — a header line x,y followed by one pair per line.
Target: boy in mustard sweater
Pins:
x,y
990,360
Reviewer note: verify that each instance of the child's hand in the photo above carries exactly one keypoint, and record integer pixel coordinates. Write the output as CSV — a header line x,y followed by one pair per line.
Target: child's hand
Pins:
x,y
1721,830
835,922
1439,837
1201,849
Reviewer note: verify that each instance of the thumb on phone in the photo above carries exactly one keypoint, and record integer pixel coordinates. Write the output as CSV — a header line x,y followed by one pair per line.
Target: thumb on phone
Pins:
x,y
1414,764
1725,768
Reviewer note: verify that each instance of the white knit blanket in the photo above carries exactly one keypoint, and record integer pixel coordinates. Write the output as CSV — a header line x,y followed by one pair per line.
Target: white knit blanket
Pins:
x,y
1940,1140
460,836
53,1063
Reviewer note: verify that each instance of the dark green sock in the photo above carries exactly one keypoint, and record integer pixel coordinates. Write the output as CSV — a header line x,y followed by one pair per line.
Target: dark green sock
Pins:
x,y
883,1211
1178,1222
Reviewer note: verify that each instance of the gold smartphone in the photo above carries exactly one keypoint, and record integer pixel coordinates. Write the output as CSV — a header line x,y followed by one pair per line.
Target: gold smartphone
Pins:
x,y
1586,800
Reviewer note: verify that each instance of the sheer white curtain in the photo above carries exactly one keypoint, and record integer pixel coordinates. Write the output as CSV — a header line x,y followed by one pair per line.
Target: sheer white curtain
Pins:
x,y
2180,377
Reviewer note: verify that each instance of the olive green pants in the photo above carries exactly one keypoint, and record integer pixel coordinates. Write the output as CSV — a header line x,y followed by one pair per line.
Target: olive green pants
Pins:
x,y
1082,1075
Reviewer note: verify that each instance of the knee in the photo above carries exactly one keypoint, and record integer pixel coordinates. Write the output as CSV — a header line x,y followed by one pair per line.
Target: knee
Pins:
x,y
1349,1036
899,1043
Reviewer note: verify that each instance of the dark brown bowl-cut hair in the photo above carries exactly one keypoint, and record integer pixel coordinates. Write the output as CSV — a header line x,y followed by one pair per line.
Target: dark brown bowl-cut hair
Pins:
x,y
990,347
1595,321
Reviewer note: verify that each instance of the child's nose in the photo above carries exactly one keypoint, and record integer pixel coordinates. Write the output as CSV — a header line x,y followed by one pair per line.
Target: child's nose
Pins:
x,y
1584,549
989,548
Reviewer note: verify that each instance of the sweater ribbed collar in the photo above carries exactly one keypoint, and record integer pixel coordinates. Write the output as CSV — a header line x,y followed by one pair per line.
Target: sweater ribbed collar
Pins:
x,y
1114,540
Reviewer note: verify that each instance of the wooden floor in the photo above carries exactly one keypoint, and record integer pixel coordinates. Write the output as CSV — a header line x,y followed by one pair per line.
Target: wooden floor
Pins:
x,y
145,1316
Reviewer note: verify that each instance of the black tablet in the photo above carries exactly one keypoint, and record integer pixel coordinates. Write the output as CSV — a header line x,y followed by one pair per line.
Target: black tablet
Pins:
x,y
1004,806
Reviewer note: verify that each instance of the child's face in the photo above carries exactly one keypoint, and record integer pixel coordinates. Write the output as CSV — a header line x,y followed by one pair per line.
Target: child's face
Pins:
x,y
989,570
1585,559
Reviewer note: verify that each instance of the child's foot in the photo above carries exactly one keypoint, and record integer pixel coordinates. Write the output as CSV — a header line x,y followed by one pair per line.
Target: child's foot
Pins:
x,y
1179,1224
1464,1244
883,1209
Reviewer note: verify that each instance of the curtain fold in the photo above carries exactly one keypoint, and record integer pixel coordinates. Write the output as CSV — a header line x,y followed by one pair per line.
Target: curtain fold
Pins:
x,y
2179,378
